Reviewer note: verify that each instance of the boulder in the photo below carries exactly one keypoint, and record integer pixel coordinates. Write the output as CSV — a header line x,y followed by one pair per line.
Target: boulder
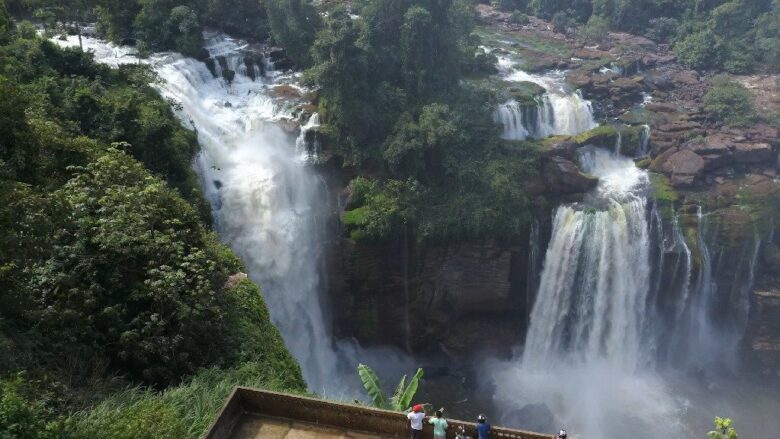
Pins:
x,y
683,167
563,148
716,143
526,92
562,176
286,91
753,153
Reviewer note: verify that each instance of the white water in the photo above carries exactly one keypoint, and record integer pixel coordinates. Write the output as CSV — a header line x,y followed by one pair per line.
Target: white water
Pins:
x,y
267,204
585,355
558,110
599,355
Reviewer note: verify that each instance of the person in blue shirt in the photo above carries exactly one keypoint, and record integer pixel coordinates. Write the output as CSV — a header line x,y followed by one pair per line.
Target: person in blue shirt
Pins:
x,y
483,428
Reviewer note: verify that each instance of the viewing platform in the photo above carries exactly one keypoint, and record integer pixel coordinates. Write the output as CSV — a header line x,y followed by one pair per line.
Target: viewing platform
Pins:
x,y
260,414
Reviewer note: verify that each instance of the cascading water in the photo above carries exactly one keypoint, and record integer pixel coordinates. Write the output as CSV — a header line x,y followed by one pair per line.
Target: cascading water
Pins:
x,y
557,111
586,352
268,206
630,321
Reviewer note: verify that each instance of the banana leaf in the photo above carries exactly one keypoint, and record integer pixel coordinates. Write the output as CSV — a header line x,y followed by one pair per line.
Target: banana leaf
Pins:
x,y
406,398
399,391
372,386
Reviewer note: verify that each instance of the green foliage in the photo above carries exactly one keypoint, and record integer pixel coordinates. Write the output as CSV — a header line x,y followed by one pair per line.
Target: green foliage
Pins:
x,y
21,418
662,29
723,429
700,50
376,210
562,21
184,411
293,24
518,17
596,29
729,101
131,272
402,397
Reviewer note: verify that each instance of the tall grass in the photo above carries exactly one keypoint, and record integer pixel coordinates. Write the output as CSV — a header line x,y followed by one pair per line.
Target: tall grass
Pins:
x,y
184,411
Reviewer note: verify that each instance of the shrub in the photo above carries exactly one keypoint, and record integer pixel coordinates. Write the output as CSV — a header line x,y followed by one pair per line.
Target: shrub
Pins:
x,y
662,29
20,418
700,50
596,30
723,429
519,18
561,22
730,102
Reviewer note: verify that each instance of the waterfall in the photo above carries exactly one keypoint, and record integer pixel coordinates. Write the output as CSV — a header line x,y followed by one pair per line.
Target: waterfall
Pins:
x,y
587,348
557,111
629,319
644,142
267,204
596,274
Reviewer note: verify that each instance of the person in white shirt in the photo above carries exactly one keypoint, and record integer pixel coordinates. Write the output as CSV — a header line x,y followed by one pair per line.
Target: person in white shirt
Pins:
x,y
416,418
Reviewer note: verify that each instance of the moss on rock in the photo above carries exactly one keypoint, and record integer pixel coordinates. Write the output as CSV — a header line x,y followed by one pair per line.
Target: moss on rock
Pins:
x,y
526,92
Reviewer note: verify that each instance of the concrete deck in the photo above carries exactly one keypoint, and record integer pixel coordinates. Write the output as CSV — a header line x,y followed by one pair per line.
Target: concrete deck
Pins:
x,y
266,427
253,414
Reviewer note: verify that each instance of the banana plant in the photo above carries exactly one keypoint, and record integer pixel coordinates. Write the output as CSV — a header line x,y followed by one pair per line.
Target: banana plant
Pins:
x,y
402,397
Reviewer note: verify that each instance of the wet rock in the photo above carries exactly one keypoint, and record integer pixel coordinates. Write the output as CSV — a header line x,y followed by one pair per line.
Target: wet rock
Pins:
x,y
562,176
564,148
285,91
526,92
753,153
289,125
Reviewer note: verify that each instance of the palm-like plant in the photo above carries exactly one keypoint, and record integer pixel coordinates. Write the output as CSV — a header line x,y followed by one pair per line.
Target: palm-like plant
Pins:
x,y
402,397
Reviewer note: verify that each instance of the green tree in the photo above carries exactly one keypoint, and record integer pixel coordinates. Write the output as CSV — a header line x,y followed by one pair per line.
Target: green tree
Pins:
x,y
132,272
294,24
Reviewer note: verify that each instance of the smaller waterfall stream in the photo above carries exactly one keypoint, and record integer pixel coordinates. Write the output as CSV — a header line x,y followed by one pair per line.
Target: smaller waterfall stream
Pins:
x,y
557,111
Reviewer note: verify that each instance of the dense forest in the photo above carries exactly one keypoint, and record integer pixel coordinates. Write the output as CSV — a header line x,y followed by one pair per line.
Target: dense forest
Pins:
x,y
110,275
119,313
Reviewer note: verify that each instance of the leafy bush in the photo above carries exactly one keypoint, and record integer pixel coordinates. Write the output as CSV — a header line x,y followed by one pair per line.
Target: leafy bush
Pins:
x,y
700,50
662,29
561,22
596,30
723,429
518,17
729,101
21,418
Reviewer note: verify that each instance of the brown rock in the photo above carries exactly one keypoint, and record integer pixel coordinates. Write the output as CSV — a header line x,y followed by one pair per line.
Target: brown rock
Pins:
x,y
716,143
682,167
683,162
562,176
564,148
686,77
753,153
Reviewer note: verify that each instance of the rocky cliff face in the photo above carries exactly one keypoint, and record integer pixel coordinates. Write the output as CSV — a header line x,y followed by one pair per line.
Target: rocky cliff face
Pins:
x,y
477,294
455,298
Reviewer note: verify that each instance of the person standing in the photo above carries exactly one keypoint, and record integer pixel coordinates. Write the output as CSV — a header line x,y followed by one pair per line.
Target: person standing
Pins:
x,y
439,426
416,417
483,428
